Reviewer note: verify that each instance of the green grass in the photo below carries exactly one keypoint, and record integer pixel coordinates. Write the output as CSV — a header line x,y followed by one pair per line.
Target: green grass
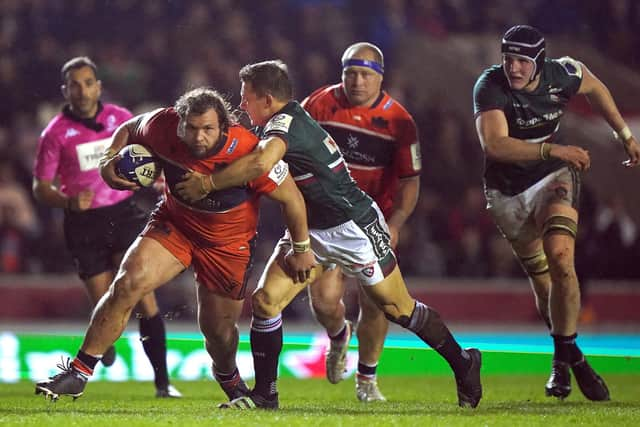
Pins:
x,y
509,400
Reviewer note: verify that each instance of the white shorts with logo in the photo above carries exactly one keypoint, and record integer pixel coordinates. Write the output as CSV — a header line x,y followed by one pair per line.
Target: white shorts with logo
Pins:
x,y
515,215
362,252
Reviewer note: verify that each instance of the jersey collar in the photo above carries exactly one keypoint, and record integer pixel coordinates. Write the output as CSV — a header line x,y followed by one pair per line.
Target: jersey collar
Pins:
x,y
89,122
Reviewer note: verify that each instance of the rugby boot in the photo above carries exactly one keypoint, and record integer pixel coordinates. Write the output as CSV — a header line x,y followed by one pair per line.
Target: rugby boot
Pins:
x,y
109,357
469,385
559,383
591,384
168,392
236,391
69,382
367,389
336,356
251,401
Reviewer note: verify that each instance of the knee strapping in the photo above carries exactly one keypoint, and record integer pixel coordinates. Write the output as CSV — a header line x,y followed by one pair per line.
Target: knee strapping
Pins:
x,y
535,264
560,224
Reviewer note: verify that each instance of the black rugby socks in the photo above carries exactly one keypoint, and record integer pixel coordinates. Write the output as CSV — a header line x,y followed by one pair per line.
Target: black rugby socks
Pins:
x,y
565,349
154,342
266,345
427,324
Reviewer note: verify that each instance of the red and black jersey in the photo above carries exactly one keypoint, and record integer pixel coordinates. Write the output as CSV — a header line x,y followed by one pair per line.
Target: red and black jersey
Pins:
x,y
222,216
380,143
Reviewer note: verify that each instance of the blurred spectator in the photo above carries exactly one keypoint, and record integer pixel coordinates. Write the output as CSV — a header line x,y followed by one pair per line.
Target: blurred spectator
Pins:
x,y
617,235
469,227
18,222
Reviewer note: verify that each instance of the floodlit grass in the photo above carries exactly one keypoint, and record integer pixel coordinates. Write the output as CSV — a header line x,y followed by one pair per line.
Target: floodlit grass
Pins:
x,y
508,400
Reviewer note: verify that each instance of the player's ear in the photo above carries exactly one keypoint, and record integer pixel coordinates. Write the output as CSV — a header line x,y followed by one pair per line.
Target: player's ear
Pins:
x,y
99,83
268,99
63,89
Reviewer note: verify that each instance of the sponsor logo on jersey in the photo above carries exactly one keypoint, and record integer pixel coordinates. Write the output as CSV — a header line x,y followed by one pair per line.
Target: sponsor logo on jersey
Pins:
x,y
71,132
552,93
279,172
89,153
357,157
380,122
553,115
352,141
388,104
330,144
279,123
232,146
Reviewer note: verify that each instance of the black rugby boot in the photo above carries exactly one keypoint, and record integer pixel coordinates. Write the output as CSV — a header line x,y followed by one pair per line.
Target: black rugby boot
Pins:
x,y
469,385
591,384
559,383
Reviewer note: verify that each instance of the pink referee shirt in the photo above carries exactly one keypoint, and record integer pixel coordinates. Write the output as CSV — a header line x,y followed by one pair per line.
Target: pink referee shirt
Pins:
x,y
69,150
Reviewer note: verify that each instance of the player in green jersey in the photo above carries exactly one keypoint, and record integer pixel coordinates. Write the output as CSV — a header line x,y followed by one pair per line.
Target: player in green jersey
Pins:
x,y
346,229
532,182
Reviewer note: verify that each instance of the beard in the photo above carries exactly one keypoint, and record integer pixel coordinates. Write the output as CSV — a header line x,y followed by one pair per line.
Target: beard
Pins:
x,y
200,152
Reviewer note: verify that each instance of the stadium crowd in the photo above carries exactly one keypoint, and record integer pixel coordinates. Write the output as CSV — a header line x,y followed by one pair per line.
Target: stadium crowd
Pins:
x,y
150,51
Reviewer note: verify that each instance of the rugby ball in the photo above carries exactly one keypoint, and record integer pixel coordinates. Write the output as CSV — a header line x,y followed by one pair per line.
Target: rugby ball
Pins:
x,y
137,164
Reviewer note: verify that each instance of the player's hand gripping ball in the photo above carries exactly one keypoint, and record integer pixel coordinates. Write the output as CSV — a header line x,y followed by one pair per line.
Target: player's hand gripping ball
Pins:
x,y
137,164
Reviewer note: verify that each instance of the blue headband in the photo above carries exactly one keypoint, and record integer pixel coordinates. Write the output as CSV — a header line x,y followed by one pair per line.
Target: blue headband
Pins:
x,y
375,66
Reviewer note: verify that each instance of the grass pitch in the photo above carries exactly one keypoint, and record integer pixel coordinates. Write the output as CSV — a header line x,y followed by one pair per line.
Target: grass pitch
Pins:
x,y
509,400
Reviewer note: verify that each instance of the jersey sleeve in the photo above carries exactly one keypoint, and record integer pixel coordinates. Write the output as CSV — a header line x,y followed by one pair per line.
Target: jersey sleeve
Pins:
x,y
270,181
487,95
278,126
149,128
408,161
311,103
569,72
47,157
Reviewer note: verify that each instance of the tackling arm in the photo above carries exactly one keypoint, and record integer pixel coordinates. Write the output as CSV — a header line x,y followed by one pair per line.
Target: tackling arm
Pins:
x,y
268,152
301,260
260,161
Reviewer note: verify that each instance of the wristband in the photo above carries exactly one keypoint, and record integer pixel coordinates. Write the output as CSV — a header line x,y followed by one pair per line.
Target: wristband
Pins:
x,y
301,247
213,186
623,134
545,149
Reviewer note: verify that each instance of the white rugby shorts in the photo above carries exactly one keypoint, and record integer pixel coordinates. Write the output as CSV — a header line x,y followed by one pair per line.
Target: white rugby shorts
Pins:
x,y
516,215
349,246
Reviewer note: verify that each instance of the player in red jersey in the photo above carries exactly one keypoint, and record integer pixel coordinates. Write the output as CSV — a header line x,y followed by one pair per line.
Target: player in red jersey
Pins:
x,y
378,139
99,222
215,234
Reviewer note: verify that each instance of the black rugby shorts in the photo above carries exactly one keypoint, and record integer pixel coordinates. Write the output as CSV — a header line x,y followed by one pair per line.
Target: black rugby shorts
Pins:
x,y
95,235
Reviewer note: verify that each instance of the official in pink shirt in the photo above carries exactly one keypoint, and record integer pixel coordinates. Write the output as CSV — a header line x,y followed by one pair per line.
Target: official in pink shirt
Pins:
x,y
100,223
